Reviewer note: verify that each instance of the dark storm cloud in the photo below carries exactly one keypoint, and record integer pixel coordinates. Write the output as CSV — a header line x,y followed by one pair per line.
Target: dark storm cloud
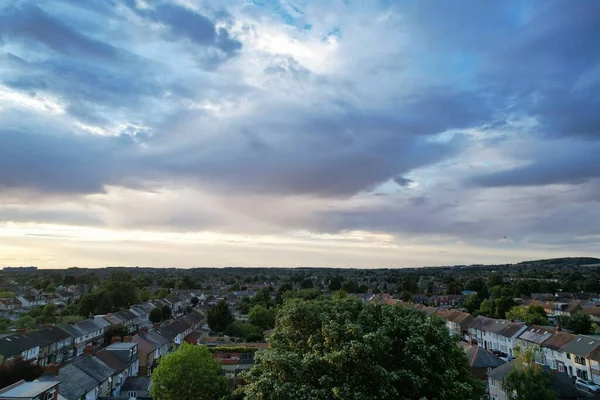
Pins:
x,y
183,22
30,24
57,163
556,162
514,59
402,181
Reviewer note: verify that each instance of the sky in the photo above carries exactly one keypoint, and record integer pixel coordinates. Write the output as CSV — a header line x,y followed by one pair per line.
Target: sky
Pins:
x,y
298,133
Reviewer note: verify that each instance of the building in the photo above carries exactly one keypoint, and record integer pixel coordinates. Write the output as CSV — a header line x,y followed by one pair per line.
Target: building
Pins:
x,y
151,346
481,361
17,346
137,386
35,390
87,332
457,322
122,358
56,345
498,335
563,385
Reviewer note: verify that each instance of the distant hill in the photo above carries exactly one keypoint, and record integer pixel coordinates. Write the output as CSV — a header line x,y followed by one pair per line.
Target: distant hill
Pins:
x,y
563,261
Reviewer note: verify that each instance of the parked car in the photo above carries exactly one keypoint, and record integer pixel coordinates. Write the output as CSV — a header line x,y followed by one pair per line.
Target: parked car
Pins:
x,y
587,386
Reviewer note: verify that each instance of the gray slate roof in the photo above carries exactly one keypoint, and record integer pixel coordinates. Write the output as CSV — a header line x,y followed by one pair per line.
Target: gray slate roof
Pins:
x,y
581,345
481,358
94,367
74,383
15,344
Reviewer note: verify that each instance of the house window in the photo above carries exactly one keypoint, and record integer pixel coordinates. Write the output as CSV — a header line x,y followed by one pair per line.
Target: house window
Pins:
x,y
552,364
580,360
493,382
582,374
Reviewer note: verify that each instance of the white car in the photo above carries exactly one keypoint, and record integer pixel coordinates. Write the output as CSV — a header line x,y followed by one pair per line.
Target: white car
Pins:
x,y
587,386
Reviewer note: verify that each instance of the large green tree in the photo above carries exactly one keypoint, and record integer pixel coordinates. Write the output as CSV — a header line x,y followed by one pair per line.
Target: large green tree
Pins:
x,y
219,317
156,315
579,322
262,317
528,380
532,315
189,373
341,349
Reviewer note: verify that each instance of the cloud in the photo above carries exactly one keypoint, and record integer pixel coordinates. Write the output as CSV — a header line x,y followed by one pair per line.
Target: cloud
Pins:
x,y
402,181
29,23
182,116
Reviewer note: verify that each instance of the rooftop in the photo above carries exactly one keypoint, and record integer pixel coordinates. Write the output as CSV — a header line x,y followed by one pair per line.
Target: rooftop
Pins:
x,y
26,390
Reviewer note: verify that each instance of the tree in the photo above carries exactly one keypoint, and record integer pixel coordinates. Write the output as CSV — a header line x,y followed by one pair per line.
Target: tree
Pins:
x,y
262,317
195,301
166,312
119,331
528,380
219,317
155,315
342,349
495,279
306,284
145,295
532,315
472,303
189,373
105,304
334,284
17,370
26,322
350,286
579,322
87,304
246,331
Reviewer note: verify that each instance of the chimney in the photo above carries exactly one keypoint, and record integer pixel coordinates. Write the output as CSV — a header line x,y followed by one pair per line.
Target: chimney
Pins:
x,y
156,325
22,331
558,325
144,329
89,350
115,339
52,369
127,339
48,325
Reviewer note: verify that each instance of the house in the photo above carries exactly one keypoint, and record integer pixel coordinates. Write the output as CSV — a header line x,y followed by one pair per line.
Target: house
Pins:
x,y
137,386
123,359
55,344
98,370
174,332
496,334
17,346
593,312
481,360
448,300
457,322
34,390
9,304
534,336
87,332
551,348
75,384
194,319
151,346
563,385
31,301
579,354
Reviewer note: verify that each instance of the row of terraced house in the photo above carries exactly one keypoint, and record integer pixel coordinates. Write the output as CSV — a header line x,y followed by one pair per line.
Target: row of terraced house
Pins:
x,y
73,357
563,354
